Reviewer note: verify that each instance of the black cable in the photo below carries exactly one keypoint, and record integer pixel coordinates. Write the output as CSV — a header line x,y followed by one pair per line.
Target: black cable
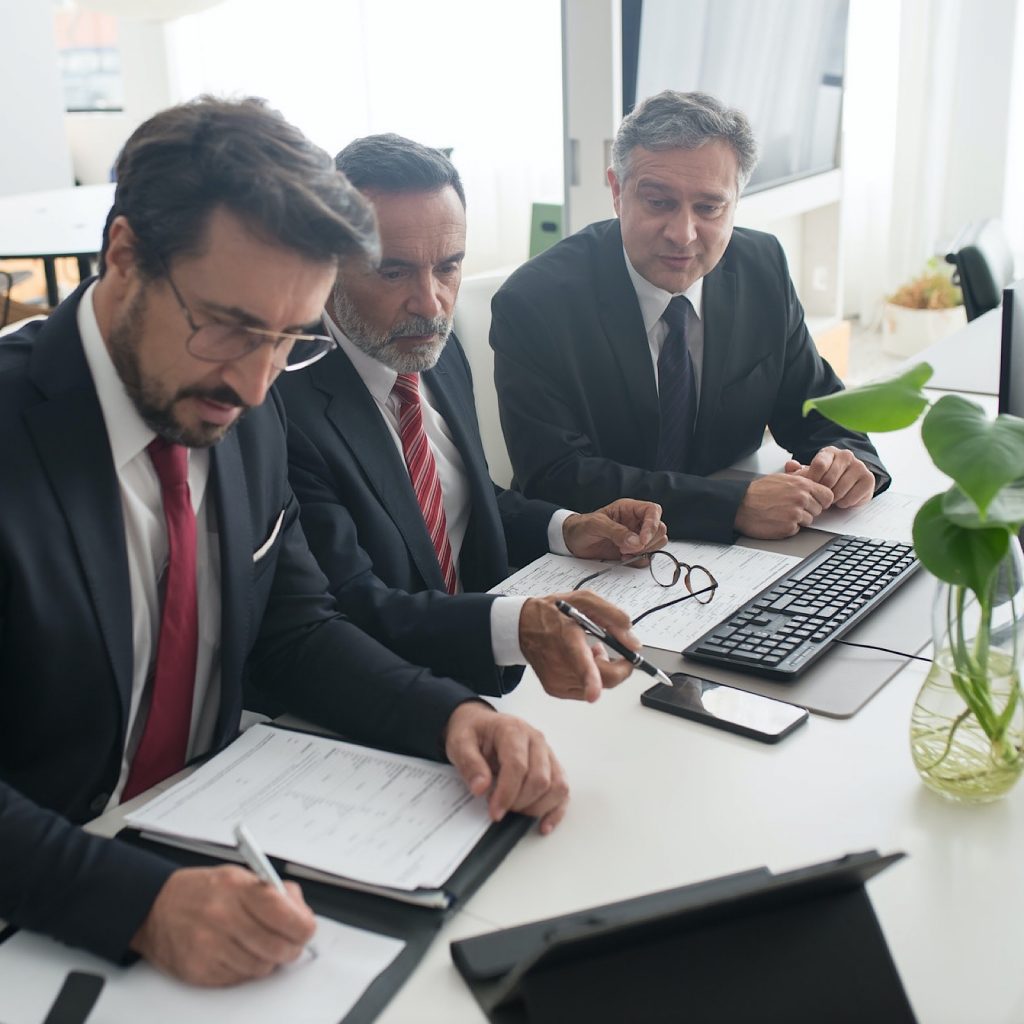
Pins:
x,y
885,650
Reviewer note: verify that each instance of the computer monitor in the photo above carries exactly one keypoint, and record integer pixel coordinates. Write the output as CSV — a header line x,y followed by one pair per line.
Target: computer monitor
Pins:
x,y
1011,351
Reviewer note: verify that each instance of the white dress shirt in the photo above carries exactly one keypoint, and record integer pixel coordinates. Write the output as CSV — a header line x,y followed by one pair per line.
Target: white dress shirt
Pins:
x,y
451,470
653,303
145,532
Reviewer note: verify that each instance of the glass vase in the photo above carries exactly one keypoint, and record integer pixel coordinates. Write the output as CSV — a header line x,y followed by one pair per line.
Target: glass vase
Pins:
x,y
967,727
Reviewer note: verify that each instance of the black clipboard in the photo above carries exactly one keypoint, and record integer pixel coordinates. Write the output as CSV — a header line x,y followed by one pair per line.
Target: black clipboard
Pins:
x,y
804,946
415,925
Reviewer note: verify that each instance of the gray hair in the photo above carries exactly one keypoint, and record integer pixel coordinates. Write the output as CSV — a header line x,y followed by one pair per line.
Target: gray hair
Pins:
x,y
684,120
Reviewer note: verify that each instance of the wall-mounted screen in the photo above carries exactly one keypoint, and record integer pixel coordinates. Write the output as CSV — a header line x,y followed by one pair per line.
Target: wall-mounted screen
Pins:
x,y
779,61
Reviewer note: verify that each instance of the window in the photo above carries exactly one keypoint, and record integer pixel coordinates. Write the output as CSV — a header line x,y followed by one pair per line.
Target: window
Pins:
x,y
90,60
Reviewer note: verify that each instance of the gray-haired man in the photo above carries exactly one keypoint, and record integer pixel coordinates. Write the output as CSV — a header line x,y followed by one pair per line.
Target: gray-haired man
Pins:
x,y
643,353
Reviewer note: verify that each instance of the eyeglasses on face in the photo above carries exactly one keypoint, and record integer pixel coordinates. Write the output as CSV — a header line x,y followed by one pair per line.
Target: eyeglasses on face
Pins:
x,y
666,570
218,342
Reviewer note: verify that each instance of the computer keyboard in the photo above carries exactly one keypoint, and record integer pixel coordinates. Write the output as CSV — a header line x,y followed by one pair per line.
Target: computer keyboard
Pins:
x,y
790,624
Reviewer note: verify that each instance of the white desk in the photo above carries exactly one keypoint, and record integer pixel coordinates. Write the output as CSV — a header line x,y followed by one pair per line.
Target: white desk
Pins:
x,y
658,802
60,222
966,360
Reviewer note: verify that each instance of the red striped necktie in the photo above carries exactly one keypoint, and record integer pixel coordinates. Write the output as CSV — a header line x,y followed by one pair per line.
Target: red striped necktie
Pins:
x,y
164,742
423,472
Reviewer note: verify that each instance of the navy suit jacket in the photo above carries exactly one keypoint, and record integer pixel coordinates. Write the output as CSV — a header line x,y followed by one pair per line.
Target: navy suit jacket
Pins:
x,y
66,637
365,527
578,396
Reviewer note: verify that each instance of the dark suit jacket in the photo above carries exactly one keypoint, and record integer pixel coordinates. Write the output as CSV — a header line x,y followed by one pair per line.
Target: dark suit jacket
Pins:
x,y
66,637
577,392
365,527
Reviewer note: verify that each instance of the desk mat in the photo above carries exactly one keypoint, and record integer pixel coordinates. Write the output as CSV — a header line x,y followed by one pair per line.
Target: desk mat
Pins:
x,y
846,678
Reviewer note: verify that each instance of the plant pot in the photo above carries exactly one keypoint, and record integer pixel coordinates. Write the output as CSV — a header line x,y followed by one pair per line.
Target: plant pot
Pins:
x,y
967,726
906,331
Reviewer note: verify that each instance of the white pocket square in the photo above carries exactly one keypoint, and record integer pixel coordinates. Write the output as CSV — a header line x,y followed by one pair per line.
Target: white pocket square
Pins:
x,y
269,542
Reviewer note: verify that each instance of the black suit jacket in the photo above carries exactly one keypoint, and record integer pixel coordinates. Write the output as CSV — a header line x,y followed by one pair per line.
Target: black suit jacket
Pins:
x,y
66,637
365,527
577,392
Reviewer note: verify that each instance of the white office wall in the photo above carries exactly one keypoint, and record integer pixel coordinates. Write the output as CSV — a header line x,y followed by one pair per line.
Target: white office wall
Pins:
x,y
35,147
480,76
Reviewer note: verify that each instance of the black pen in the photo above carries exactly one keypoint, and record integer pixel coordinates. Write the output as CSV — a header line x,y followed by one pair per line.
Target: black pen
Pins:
x,y
594,630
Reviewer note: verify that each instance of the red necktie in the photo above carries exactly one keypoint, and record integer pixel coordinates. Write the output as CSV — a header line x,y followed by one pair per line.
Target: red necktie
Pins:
x,y
423,472
164,742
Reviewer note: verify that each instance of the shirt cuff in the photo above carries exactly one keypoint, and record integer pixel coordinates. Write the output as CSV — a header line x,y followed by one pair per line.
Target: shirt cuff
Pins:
x,y
505,612
556,541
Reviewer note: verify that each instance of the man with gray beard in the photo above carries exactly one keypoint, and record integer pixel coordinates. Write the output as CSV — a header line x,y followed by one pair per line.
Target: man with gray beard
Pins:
x,y
388,465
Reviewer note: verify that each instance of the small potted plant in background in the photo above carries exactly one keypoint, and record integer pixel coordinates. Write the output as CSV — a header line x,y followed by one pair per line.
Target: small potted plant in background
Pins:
x,y
967,726
921,311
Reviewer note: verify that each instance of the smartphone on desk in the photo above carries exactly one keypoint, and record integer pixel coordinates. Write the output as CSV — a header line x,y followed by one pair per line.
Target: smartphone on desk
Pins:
x,y
725,707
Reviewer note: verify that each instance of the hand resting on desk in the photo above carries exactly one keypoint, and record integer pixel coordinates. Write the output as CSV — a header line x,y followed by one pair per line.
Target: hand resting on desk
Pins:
x,y
850,481
507,756
220,926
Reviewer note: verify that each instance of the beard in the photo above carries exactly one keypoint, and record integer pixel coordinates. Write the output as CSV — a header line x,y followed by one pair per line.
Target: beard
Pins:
x,y
378,344
150,398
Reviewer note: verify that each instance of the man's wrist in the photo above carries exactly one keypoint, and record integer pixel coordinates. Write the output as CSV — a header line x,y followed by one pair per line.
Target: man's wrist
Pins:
x,y
556,532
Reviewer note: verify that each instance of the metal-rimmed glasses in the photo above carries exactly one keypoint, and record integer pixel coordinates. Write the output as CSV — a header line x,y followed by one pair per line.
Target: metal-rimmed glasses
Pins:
x,y
666,570
219,342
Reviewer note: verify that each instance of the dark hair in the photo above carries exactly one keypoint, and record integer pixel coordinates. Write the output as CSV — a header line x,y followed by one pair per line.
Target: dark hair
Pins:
x,y
391,163
684,120
186,161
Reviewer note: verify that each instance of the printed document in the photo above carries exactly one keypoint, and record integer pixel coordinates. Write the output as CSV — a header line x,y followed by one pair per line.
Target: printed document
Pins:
x,y
741,573
345,810
313,990
890,516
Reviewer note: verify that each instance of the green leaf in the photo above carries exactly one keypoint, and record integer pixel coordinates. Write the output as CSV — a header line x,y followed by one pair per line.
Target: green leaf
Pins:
x,y
981,455
887,405
1005,509
965,558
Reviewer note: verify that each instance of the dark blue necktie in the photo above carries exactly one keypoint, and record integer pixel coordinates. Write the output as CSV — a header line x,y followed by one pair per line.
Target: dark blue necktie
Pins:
x,y
677,390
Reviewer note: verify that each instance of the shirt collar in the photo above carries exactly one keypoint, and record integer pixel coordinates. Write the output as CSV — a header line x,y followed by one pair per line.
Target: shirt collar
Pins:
x,y
126,429
654,300
378,378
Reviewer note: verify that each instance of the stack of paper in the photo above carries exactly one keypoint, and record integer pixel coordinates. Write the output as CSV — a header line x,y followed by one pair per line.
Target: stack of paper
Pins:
x,y
741,573
382,821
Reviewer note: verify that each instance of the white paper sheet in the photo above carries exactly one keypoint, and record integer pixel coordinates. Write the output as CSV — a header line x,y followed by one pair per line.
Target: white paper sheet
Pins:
x,y
318,990
890,516
741,573
352,811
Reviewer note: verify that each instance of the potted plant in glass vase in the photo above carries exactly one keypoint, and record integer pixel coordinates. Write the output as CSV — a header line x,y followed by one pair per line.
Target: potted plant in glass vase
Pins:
x,y
967,727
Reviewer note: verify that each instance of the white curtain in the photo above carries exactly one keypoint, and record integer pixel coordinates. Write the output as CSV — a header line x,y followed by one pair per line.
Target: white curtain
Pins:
x,y
480,76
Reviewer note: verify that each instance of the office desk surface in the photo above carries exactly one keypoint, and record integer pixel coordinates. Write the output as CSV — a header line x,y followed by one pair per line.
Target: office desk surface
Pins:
x,y
968,359
658,801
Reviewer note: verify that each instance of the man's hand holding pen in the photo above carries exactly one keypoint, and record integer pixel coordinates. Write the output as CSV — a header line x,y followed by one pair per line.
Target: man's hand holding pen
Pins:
x,y
566,662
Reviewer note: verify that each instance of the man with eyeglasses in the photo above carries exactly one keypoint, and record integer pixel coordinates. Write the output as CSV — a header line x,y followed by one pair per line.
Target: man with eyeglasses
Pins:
x,y
388,464
644,353
151,557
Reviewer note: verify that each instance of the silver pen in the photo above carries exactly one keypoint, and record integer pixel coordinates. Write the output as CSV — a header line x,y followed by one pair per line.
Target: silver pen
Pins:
x,y
593,629
259,864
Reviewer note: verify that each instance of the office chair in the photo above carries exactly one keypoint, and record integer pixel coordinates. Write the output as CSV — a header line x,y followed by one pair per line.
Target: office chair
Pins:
x,y
984,265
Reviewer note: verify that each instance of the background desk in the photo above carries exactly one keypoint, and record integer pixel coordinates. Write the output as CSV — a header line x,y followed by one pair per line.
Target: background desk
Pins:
x,y
61,222
968,359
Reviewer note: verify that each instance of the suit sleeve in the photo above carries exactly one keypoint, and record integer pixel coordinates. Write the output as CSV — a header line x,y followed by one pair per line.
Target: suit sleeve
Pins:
x,y
551,452
451,635
81,889
807,375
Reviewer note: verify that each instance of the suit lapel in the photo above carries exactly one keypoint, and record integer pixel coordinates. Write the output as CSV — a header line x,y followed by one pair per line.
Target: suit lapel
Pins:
x,y
234,530
353,413
71,439
623,325
719,313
